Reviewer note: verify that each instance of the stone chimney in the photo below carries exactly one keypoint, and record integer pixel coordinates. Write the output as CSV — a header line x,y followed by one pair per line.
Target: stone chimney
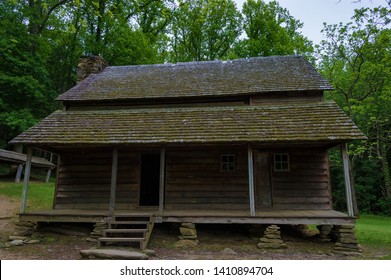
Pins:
x,y
91,64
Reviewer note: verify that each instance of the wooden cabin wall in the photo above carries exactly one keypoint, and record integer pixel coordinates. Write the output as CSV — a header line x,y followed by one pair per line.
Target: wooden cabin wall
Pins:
x,y
128,180
306,185
194,179
84,180
287,97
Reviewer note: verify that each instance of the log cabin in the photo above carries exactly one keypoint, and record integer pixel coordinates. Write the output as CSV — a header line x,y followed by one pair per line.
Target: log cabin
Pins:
x,y
241,141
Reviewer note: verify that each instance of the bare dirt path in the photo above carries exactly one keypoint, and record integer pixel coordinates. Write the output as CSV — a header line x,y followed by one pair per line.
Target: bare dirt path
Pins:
x,y
8,208
51,246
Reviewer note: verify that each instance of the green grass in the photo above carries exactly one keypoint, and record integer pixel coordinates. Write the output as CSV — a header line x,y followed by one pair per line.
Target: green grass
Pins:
x,y
40,195
374,230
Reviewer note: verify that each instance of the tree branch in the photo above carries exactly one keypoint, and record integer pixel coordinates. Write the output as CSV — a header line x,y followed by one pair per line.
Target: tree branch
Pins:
x,y
50,11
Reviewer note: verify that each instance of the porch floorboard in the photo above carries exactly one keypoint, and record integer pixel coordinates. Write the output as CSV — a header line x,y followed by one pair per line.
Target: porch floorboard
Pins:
x,y
269,216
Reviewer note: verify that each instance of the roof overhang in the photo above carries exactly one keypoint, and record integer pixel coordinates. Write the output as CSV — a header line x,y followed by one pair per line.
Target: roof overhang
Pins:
x,y
317,122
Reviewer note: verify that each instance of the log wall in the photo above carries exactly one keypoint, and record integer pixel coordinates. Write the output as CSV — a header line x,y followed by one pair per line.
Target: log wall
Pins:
x,y
306,185
286,98
84,180
194,179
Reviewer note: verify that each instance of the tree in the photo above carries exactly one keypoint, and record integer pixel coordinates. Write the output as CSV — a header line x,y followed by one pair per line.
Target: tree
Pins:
x,y
271,30
123,32
26,93
356,59
42,40
203,30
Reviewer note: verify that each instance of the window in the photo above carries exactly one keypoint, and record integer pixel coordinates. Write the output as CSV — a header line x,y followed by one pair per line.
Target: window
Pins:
x,y
281,162
227,163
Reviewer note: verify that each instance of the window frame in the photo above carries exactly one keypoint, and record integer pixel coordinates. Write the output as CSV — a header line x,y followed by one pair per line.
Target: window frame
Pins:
x,y
228,163
281,165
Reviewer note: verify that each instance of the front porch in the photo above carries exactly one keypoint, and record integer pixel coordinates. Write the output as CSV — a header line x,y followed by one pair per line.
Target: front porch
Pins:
x,y
272,216
189,185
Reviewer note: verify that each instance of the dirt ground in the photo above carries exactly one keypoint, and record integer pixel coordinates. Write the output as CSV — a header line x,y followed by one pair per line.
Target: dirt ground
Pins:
x,y
216,242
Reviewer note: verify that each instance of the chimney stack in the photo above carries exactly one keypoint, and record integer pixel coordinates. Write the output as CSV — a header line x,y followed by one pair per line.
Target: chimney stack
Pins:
x,y
91,64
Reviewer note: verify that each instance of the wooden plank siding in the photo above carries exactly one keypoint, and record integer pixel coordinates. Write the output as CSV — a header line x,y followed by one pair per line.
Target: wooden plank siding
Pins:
x,y
194,179
84,180
306,185
286,98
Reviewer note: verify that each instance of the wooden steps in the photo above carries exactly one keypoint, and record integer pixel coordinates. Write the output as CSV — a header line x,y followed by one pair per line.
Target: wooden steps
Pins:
x,y
125,230
120,239
132,230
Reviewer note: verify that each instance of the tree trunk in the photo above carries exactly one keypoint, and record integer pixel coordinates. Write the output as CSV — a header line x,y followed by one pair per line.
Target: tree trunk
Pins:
x,y
385,169
99,28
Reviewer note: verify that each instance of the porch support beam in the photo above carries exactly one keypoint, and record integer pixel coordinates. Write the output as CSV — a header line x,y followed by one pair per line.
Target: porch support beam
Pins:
x,y
19,173
251,180
162,179
26,180
113,186
49,172
348,184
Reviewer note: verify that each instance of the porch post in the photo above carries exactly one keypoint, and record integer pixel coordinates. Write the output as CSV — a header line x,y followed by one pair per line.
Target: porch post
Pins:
x,y
26,180
19,173
251,180
49,172
161,179
113,186
348,185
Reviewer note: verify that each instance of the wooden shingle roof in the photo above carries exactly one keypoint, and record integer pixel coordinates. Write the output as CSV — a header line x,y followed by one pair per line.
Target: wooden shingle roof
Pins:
x,y
199,79
309,122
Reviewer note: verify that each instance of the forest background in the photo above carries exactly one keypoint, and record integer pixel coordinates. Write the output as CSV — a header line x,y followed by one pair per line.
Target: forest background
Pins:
x,y
41,42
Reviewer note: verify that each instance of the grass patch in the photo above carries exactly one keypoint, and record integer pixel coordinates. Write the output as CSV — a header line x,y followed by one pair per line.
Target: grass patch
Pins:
x,y
374,230
40,195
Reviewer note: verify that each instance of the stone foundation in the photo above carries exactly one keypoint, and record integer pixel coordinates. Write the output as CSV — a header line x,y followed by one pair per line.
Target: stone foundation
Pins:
x,y
346,243
97,232
22,234
324,232
25,228
271,239
188,237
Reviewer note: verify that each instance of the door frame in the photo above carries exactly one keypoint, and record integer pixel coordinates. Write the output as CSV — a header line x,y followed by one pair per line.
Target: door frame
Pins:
x,y
157,154
257,174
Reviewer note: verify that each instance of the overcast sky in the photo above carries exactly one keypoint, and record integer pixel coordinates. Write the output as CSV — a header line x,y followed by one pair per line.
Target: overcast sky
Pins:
x,y
314,12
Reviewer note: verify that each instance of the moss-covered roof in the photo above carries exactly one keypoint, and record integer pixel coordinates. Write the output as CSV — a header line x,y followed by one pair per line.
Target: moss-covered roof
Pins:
x,y
199,79
310,122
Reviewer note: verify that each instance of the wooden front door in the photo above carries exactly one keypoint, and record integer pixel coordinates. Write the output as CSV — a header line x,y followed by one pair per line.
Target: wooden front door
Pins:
x,y
149,182
262,180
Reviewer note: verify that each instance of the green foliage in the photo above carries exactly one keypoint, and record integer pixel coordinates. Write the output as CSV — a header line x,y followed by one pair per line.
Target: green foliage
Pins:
x,y
26,94
40,195
271,30
203,30
130,47
355,58
366,176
